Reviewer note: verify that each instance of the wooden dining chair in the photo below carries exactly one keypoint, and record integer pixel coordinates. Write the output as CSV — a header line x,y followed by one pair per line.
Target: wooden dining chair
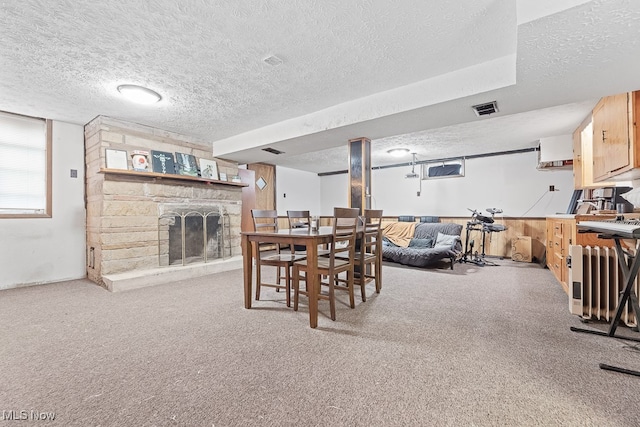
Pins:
x,y
368,255
302,220
345,222
298,220
368,258
267,221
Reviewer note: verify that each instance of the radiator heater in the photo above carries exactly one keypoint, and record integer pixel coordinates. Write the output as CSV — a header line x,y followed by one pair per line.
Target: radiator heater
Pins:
x,y
595,284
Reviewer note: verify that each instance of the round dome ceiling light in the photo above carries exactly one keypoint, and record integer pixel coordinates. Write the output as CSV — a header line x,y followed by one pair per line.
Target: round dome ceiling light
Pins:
x,y
398,152
139,94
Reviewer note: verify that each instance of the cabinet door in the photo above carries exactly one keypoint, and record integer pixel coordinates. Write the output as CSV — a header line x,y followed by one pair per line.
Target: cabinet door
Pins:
x,y
616,136
550,247
610,135
578,179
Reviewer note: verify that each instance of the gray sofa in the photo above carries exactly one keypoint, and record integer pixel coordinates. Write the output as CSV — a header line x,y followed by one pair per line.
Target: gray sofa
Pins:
x,y
423,250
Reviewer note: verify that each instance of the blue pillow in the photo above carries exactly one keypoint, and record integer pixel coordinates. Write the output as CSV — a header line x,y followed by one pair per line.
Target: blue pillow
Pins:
x,y
421,243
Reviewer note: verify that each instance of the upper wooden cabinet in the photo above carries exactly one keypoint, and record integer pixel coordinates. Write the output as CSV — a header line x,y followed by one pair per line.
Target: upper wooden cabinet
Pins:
x,y
583,157
582,175
616,152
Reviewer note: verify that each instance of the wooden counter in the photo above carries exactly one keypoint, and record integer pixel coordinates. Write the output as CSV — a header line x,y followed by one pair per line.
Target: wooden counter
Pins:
x,y
562,233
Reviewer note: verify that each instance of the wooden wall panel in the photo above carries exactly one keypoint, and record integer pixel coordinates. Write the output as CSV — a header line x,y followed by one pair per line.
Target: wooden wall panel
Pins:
x,y
266,197
496,244
248,198
499,243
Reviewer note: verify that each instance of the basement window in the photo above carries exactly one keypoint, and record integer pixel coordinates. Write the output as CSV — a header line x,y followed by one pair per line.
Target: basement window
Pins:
x,y
25,166
443,169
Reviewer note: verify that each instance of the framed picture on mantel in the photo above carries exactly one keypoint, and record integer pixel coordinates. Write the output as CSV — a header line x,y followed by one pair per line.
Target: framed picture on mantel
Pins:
x,y
116,159
162,162
208,169
140,160
186,164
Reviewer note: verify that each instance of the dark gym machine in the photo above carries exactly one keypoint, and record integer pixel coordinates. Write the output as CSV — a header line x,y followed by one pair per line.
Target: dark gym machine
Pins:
x,y
484,224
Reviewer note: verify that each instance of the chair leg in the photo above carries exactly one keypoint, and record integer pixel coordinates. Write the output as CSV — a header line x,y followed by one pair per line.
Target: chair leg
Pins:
x,y
287,277
363,281
296,286
278,276
332,299
378,269
258,278
350,284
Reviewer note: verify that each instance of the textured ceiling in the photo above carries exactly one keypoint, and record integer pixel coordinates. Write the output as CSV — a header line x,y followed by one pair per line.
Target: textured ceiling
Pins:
x,y
492,135
401,73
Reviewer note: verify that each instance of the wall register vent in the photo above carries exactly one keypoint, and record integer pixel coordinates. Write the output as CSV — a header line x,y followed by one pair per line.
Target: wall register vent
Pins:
x,y
485,109
272,151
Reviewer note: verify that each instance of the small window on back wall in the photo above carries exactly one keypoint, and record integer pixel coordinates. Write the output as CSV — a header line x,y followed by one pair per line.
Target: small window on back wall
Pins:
x,y
25,166
443,169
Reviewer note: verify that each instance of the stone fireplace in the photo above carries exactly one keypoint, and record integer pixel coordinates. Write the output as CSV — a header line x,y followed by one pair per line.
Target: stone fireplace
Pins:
x,y
145,229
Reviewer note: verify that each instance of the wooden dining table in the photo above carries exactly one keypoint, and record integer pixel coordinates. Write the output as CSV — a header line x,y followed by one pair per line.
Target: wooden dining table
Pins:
x,y
295,236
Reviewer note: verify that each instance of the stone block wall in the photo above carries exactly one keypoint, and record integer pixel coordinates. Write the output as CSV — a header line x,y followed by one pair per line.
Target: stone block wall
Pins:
x,y
123,210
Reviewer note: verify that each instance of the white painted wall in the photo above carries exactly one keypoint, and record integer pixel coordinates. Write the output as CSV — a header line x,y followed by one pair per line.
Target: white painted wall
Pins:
x,y
334,192
509,182
297,190
43,250
35,251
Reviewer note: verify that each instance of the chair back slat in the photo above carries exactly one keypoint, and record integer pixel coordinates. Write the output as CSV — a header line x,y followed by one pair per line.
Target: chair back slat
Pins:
x,y
345,223
265,219
299,219
372,230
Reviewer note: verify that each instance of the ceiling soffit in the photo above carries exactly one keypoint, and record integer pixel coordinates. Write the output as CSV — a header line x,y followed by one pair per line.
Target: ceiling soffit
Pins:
x,y
490,40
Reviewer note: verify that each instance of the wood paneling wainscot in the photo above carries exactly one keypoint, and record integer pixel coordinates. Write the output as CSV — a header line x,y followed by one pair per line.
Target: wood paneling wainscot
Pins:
x,y
498,244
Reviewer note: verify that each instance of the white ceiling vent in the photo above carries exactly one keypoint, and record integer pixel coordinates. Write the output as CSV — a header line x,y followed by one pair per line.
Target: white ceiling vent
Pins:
x,y
485,109
272,150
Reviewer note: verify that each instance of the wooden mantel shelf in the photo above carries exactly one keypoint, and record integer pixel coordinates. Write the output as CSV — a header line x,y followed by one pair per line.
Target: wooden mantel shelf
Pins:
x,y
170,176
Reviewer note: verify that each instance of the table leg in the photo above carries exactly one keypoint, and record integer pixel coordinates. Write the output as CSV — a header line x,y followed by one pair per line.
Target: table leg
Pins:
x,y
247,266
312,283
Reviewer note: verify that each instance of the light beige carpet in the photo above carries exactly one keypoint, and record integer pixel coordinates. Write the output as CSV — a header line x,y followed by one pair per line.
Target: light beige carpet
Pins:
x,y
470,347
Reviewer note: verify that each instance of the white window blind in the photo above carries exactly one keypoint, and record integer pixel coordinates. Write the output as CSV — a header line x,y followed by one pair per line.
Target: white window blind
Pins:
x,y
23,165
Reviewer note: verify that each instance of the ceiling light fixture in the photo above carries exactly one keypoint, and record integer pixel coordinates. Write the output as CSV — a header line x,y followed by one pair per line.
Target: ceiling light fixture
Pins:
x,y
139,94
398,152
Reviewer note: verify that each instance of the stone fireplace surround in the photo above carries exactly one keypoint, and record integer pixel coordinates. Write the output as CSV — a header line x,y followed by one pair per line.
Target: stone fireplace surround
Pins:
x,y
123,210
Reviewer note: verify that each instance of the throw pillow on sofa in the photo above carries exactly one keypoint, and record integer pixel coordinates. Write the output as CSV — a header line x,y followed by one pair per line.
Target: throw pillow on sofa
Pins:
x,y
421,243
445,240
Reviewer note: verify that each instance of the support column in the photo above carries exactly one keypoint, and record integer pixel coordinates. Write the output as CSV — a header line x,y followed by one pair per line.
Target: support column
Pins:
x,y
360,173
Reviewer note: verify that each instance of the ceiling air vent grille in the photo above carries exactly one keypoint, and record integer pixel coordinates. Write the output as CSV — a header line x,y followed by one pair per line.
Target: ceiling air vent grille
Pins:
x,y
485,109
272,151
